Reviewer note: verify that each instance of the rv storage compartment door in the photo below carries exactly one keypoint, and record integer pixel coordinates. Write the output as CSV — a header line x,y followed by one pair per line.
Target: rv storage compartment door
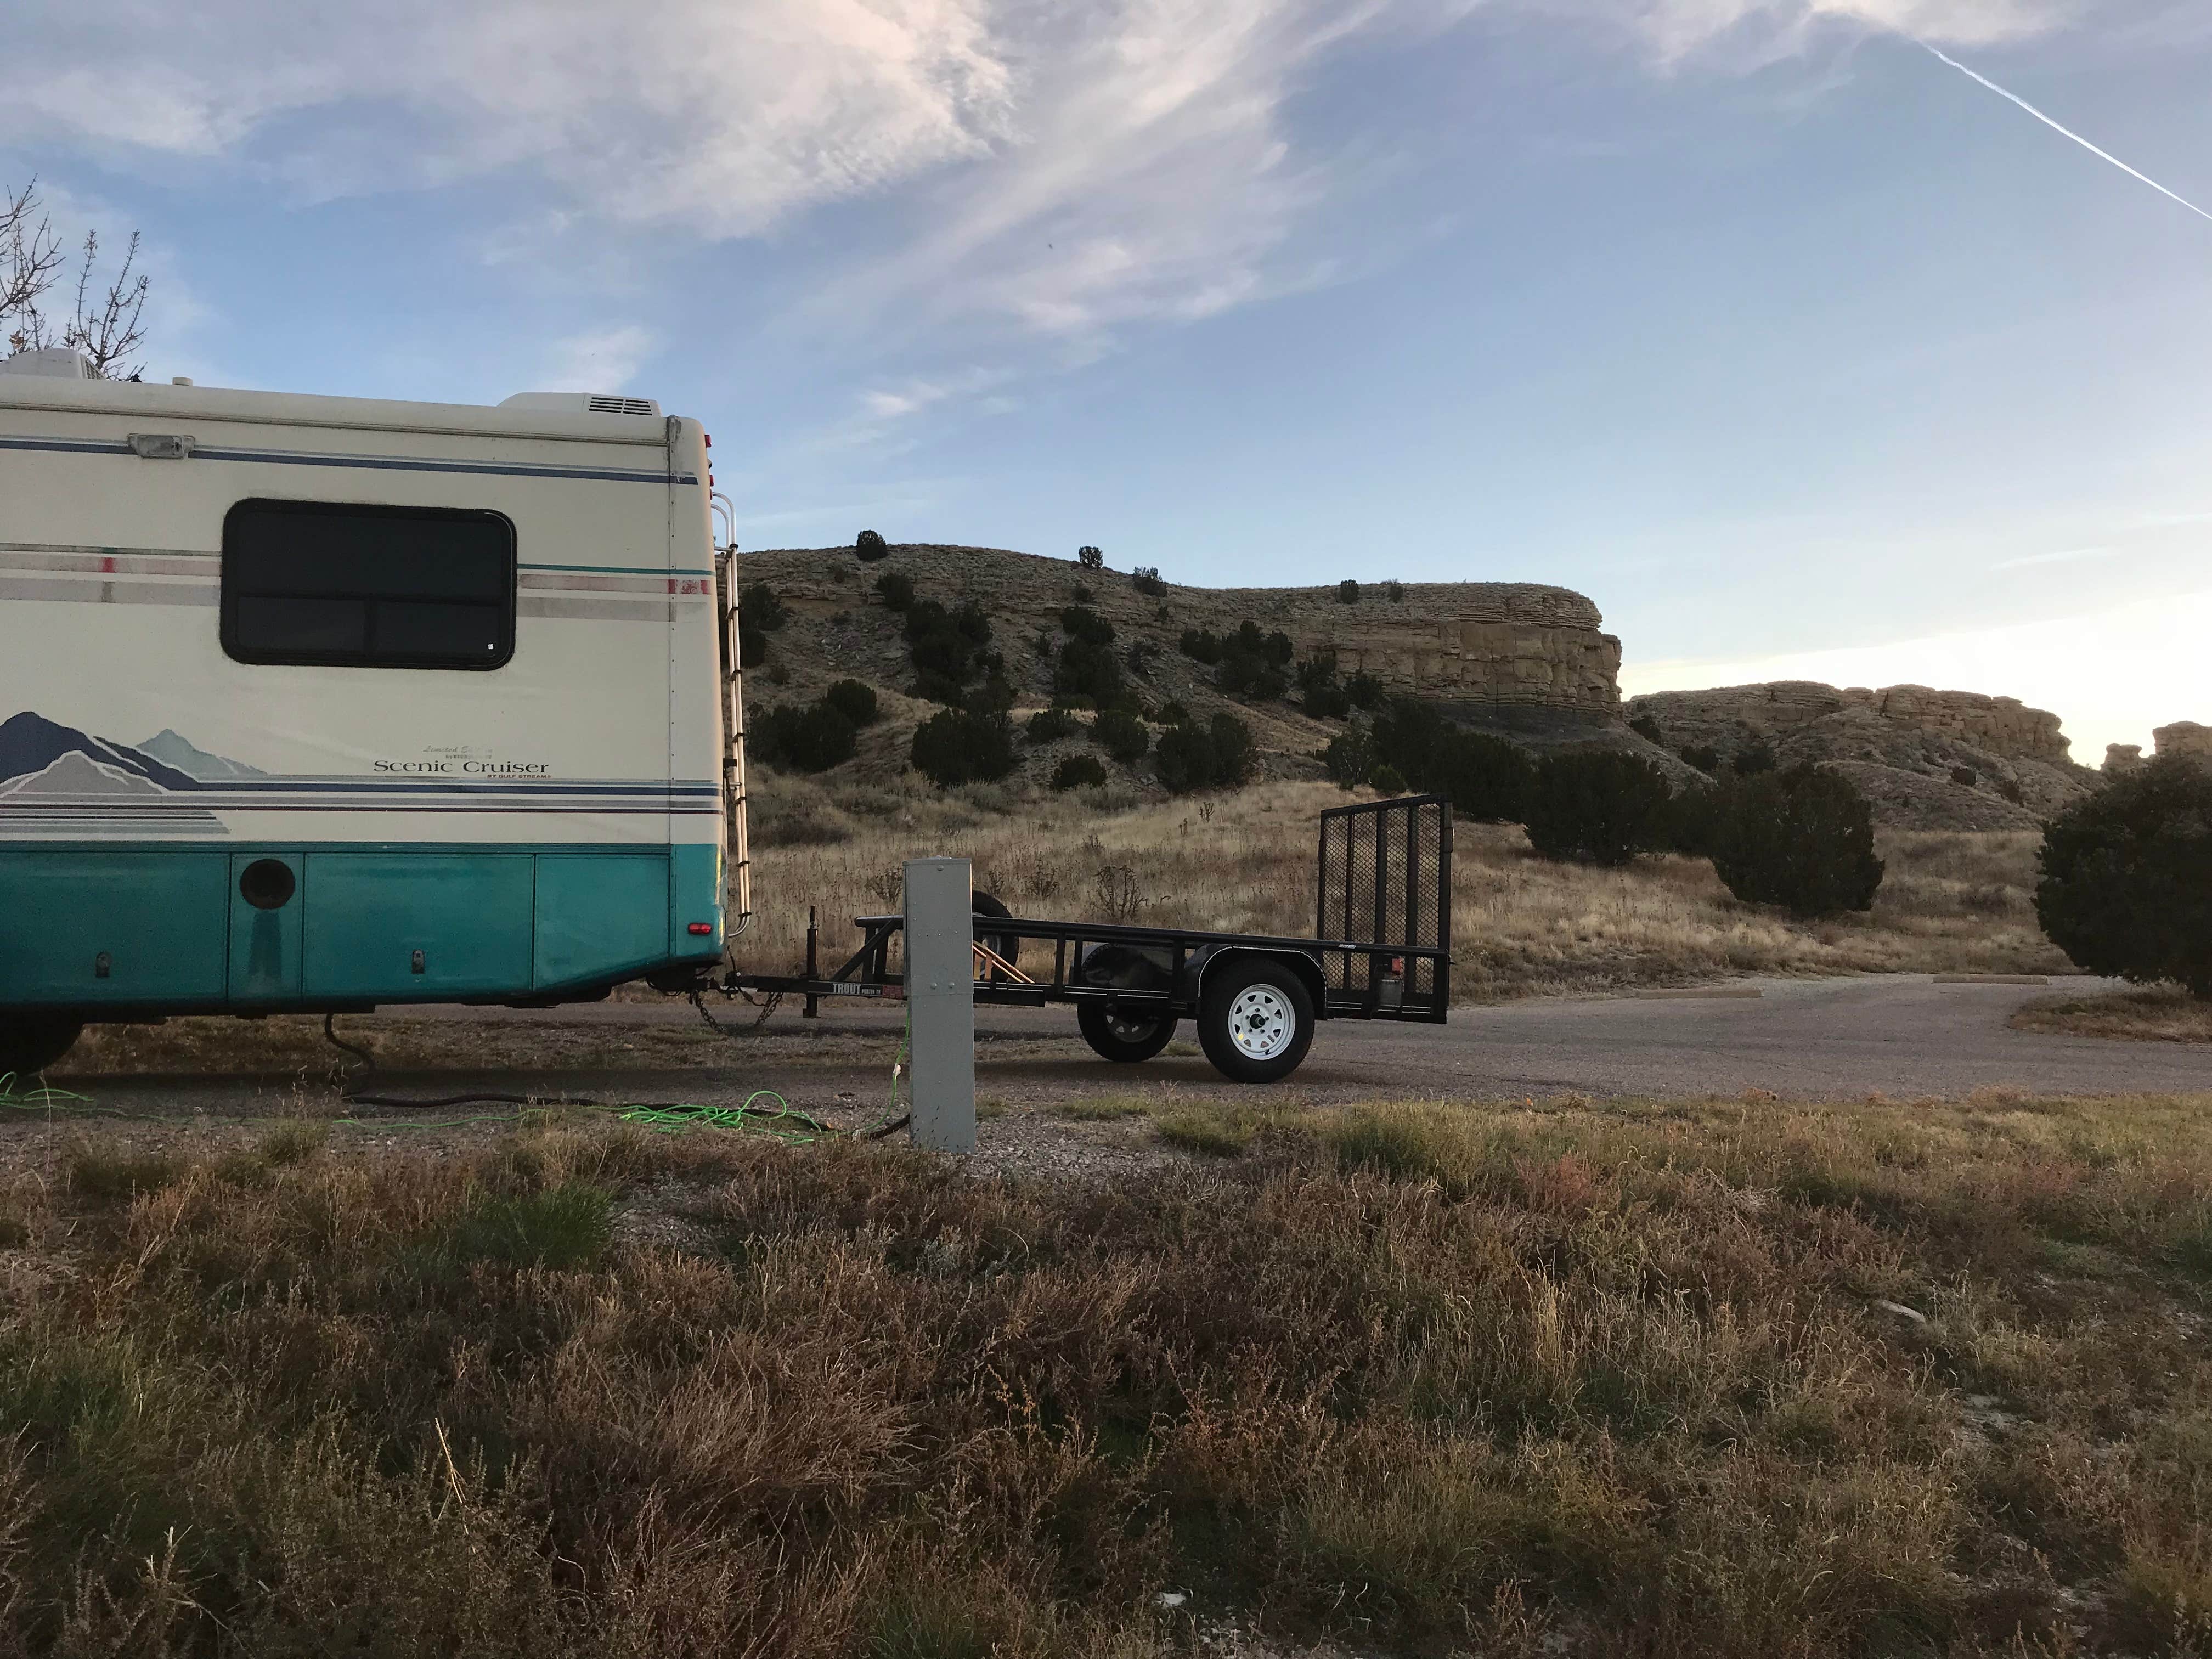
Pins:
x,y
88,927
600,915
369,915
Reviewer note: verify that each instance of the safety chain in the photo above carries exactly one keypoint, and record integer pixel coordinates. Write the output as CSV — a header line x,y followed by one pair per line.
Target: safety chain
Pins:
x,y
699,1002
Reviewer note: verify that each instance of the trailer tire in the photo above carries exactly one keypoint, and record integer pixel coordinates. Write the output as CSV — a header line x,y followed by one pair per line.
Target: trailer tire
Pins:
x,y
1255,1020
1123,1037
31,1042
1006,944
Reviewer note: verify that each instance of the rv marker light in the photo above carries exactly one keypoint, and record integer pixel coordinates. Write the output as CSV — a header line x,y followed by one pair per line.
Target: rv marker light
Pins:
x,y
702,927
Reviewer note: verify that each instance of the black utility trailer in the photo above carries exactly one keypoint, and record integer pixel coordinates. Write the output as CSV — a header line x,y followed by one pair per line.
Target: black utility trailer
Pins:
x,y
1381,950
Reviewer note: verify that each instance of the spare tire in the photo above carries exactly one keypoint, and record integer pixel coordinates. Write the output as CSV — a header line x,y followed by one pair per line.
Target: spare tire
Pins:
x,y
1004,944
1127,1039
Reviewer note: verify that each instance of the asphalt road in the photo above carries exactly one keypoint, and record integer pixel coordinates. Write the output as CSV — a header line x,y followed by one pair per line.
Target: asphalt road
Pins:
x,y
1799,1039
1803,1039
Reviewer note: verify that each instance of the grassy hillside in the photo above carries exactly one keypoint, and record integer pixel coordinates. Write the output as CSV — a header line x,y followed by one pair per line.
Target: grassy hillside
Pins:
x,y
839,627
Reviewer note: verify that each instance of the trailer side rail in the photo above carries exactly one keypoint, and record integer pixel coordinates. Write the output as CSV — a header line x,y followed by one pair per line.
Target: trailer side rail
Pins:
x,y
869,972
1382,948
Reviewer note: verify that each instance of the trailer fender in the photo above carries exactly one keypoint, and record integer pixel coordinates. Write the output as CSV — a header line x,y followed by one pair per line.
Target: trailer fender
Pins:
x,y
1306,965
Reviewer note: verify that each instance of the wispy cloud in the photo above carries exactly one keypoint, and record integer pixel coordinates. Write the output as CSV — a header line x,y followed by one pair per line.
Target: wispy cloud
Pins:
x,y
911,396
729,117
1061,173
2064,556
1761,30
1151,174
599,360
1063,169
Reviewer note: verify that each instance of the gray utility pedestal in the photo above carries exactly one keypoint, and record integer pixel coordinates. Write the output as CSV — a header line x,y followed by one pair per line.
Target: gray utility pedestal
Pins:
x,y
940,1001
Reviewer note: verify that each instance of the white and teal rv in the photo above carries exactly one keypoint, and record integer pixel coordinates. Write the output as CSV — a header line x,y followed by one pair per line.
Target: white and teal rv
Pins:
x,y
321,703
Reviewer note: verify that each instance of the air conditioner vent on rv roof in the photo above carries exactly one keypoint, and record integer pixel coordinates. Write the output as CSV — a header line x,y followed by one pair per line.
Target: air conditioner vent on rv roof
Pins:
x,y
58,363
583,403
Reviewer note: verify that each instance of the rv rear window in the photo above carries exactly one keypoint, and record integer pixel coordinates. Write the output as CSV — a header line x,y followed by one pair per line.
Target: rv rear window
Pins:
x,y
346,587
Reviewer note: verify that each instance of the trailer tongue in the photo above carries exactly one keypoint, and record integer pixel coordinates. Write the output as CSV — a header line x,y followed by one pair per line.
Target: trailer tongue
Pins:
x,y
1381,950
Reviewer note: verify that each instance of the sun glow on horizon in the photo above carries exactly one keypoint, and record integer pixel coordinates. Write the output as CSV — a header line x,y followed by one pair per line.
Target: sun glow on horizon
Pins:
x,y
2111,676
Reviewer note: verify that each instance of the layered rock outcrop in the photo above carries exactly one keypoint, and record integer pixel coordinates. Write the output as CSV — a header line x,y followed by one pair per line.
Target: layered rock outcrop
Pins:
x,y
2184,738
1924,759
1730,717
1483,645
2000,725
1518,657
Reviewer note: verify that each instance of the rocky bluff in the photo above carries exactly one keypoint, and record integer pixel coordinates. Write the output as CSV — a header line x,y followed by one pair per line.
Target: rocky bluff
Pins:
x,y
1485,646
2183,738
1478,646
1529,661
1924,759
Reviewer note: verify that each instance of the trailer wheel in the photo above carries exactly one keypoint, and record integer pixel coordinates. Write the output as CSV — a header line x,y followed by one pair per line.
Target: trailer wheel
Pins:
x,y
1122,1036
1006,944
1255,1020
31,1042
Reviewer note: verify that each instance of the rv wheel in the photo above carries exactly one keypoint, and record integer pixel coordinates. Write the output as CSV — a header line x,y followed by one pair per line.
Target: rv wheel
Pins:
x,y
31,1042
1124,1037
1255,1020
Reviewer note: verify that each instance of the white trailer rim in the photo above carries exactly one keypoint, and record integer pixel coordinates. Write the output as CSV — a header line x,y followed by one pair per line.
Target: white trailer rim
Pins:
x,y
1261,1022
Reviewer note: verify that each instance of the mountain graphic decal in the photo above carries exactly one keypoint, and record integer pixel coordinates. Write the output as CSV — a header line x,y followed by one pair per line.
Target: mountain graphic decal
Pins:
x,y
172,749
37,753
73,775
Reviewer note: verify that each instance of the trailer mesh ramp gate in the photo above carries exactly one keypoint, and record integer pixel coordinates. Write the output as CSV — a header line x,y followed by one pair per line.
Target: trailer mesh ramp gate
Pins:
x,y
1385,879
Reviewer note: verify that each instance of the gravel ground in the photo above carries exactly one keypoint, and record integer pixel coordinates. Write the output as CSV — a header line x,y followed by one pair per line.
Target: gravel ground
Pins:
x,y
197,1083
39,1144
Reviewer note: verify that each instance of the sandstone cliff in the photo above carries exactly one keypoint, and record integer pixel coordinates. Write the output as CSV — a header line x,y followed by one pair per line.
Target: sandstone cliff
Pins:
x,y
1529,661
2183,738
1486,645
1516,656
1924,759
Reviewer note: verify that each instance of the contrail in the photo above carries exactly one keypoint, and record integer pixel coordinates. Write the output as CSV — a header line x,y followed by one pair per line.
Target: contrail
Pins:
x,y
2069,131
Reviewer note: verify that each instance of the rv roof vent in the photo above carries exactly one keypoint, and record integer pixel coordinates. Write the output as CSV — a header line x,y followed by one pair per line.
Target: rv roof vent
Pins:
x,y
583,403
56,363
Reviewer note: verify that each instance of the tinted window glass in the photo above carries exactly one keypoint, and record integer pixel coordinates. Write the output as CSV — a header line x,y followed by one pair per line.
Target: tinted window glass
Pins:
x,y
416,632
367,586
315,625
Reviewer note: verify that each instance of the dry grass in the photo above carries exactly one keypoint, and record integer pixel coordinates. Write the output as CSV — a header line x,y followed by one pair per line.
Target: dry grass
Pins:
x,y
1522,926
1617,1380
2158,1013
292,1046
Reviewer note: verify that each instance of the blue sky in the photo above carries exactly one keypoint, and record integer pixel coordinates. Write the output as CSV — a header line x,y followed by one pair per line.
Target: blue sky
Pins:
x,y
1798,351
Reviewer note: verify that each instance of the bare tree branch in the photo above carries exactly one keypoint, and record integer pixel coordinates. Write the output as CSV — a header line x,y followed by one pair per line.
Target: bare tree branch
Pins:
x,y
30,255
107,337
107,333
